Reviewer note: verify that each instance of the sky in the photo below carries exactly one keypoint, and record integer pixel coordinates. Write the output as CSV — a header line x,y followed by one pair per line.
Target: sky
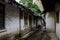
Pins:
x,y
17,0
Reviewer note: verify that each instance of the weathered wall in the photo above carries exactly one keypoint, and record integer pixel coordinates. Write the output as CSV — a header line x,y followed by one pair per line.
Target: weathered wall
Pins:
x,y
11,19
58,30
33,23
57,8
22,24
50,21
58,27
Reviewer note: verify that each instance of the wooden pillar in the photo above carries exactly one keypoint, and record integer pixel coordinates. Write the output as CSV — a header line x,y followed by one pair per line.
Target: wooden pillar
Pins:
x,y
30,22
29,26
23,18
35,22
20,20
55,21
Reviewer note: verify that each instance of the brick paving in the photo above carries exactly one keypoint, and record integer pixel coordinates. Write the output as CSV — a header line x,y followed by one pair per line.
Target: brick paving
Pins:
x,y
46,36
36,36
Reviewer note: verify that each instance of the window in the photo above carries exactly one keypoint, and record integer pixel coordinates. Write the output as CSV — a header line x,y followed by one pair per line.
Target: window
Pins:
x,y
57,16
2,0
2,17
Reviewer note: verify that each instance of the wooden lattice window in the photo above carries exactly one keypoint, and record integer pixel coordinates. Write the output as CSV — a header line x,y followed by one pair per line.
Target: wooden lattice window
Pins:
x,y
2,17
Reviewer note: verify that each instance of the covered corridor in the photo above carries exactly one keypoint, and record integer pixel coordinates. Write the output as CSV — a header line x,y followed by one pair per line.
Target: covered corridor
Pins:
x,y
19,23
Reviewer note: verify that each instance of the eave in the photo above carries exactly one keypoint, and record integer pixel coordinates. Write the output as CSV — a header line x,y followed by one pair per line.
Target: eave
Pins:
x,y
48,5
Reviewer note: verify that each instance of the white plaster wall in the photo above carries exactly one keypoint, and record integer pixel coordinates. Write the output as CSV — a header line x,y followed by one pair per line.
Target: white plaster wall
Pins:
x,y
50,21
11,19
57,8
58,30
22,24
58,27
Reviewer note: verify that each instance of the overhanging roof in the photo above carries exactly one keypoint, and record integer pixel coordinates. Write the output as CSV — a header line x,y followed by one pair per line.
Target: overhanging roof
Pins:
x,y
49,5
27,10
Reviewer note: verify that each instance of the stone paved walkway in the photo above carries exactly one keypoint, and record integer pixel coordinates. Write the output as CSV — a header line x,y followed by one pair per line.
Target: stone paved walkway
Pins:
x,y
46,36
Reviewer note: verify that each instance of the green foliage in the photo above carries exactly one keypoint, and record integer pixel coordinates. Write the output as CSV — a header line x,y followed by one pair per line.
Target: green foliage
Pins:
x,y
30,5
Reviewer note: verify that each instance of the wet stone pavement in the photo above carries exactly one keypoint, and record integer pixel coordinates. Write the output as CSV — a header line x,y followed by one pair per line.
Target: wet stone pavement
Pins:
x,y
46,36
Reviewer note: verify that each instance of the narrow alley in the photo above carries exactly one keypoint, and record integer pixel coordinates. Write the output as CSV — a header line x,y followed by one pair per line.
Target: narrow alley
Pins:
x,y
30,20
